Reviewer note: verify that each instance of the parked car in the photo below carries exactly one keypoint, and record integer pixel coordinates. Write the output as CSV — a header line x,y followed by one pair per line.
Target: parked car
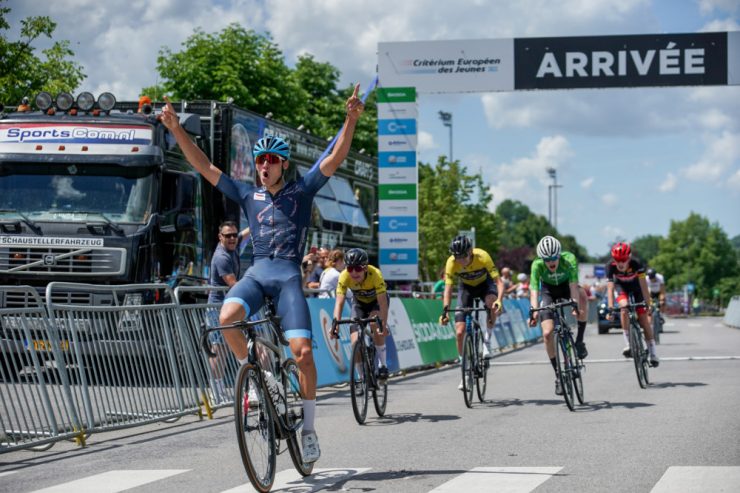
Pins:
x,y
604,324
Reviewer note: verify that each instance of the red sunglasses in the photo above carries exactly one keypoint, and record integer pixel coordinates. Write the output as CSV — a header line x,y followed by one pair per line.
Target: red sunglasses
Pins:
x,y
355,268
269,159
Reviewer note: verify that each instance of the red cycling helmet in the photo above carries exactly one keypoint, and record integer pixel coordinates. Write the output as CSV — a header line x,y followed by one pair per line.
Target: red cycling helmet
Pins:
x,y
621,251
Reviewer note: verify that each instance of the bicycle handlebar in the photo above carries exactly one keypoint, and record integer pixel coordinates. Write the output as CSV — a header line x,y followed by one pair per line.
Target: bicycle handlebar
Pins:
x,y
468,309
554,306
243,325
360,321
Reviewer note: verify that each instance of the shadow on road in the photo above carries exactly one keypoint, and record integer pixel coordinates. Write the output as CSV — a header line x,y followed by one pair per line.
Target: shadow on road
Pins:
x,y
601,405
670,385
396,419
523,402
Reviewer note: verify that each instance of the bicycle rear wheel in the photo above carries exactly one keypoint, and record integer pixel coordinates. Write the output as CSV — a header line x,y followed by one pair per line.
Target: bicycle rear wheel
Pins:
x,y
255,428
657,329
639,356
481,374
380,398
468,369
564,360
294,415
358,381
577,372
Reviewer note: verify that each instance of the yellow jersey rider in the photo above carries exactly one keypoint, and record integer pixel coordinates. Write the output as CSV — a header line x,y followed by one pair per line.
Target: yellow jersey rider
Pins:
x,y
478,278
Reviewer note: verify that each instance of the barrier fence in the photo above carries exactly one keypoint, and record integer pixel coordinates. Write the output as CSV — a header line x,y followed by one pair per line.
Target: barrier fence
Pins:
x,y
97,358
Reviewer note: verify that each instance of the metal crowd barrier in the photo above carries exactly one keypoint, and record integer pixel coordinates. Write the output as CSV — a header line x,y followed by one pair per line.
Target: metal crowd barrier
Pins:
x,y
127,354
37,402
219,372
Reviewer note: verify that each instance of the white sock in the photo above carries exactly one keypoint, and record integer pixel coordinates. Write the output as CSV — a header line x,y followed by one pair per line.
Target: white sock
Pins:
x,y
626,338
358,369
651,347
243,361
380,350
487,337
309,414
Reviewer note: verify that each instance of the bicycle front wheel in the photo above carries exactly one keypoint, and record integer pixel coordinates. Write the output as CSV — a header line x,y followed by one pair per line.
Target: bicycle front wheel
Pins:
x,y
481,375
564,359
358,381
380,398
657,329
294,415
639,355
468,370
255,428
577,372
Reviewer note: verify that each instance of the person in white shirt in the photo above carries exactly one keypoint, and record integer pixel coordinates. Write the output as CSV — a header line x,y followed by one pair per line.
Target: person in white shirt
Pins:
x,y
330,275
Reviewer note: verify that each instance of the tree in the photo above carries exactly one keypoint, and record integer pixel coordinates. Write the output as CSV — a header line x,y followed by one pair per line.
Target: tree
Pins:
x,y
697,252
646,247
451,200
249,68
22,73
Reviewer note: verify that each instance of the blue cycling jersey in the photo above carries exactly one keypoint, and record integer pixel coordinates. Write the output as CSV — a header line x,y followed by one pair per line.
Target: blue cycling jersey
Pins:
x,y
279,223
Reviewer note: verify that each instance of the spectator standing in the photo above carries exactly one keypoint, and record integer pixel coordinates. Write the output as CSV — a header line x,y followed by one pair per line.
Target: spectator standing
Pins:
x,y
522,287
509,286
439,287
330,275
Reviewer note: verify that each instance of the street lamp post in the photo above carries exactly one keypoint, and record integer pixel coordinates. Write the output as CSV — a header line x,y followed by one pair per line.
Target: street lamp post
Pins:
x,y
552,198
446,118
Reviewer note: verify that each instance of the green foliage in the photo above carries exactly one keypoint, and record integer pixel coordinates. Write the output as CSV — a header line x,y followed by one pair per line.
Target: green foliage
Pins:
x,y
23,73
250,68
646,247
736,242
451,200
698,252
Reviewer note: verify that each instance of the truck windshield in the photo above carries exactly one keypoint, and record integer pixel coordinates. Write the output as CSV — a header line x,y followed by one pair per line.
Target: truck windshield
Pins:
x,y
70,192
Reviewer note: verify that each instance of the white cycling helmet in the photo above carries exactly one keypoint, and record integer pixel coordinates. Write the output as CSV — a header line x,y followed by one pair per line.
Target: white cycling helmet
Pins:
x,y
521,277
548,247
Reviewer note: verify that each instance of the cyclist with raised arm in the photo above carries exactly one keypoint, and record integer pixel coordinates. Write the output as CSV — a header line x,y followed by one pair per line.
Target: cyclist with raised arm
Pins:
x,y
555,274
626,276
369,299
478,278
278,215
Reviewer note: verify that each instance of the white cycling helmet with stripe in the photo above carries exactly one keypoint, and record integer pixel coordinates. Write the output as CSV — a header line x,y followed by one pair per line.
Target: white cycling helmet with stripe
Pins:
x,y
548,247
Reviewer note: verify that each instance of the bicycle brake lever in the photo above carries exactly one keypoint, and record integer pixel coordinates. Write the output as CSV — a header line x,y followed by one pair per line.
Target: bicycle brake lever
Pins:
x,y
205,344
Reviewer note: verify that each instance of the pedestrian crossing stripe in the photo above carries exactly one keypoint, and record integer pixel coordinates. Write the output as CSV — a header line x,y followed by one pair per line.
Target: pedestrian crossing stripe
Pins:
x,y
687,479
113,481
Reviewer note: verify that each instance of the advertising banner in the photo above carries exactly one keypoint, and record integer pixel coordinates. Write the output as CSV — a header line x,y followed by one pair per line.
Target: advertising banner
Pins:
x,y
407,350
436,342
448,66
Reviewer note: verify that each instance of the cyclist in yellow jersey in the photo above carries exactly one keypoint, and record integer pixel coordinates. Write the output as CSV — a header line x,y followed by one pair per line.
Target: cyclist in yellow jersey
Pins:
x,y
369,299
478,279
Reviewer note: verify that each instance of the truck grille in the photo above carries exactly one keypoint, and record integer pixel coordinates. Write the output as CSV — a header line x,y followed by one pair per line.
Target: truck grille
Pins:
x,y
45,261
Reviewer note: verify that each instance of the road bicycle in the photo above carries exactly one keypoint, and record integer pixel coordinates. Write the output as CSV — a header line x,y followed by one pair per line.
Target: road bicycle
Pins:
x,y
363,379
656,319
474,366
638,347
569,366
265,419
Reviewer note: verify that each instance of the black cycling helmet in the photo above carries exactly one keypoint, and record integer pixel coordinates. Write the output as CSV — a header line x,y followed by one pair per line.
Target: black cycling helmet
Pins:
x,y
355,256
460,245
651,273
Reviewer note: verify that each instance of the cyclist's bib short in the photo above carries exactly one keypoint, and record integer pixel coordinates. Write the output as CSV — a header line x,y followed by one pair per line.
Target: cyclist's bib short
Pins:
x,y
552,293
466,294
363,310
281,279
624,292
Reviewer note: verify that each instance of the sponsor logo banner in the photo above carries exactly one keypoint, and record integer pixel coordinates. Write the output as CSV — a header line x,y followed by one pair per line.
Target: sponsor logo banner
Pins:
x,y
621,61
405,126
397,175
400,224
398,240
398,111
50,241
396,94
398,208
39,133
399,256
400,272
401,191
436,342
395,143
397,159
403,335
448,66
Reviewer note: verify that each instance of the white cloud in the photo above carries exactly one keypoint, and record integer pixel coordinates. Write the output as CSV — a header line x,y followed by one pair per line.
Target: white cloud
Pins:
x,y
526,178
721,154
612,232
426,142
669,184
733,183
586,184
721,25
609,199
708,6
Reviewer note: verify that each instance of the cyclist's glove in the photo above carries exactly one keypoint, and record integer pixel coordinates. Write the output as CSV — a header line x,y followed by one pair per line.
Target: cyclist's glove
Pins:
x,y
334,328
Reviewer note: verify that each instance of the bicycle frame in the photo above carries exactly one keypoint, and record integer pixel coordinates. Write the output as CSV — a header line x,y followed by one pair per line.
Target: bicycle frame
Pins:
x,y
474,365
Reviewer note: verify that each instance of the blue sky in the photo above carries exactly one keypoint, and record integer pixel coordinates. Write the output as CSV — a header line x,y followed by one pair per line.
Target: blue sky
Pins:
x,y
630,160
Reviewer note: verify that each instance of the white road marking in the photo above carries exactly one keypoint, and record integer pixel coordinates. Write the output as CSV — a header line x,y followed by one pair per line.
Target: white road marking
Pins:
x,y
113,481
699,479
291,480
498,479
619,360
7,473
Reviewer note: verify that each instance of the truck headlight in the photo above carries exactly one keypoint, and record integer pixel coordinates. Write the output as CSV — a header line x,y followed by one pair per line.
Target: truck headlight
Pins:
x,y
85,101
106,101
64,101
43,101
